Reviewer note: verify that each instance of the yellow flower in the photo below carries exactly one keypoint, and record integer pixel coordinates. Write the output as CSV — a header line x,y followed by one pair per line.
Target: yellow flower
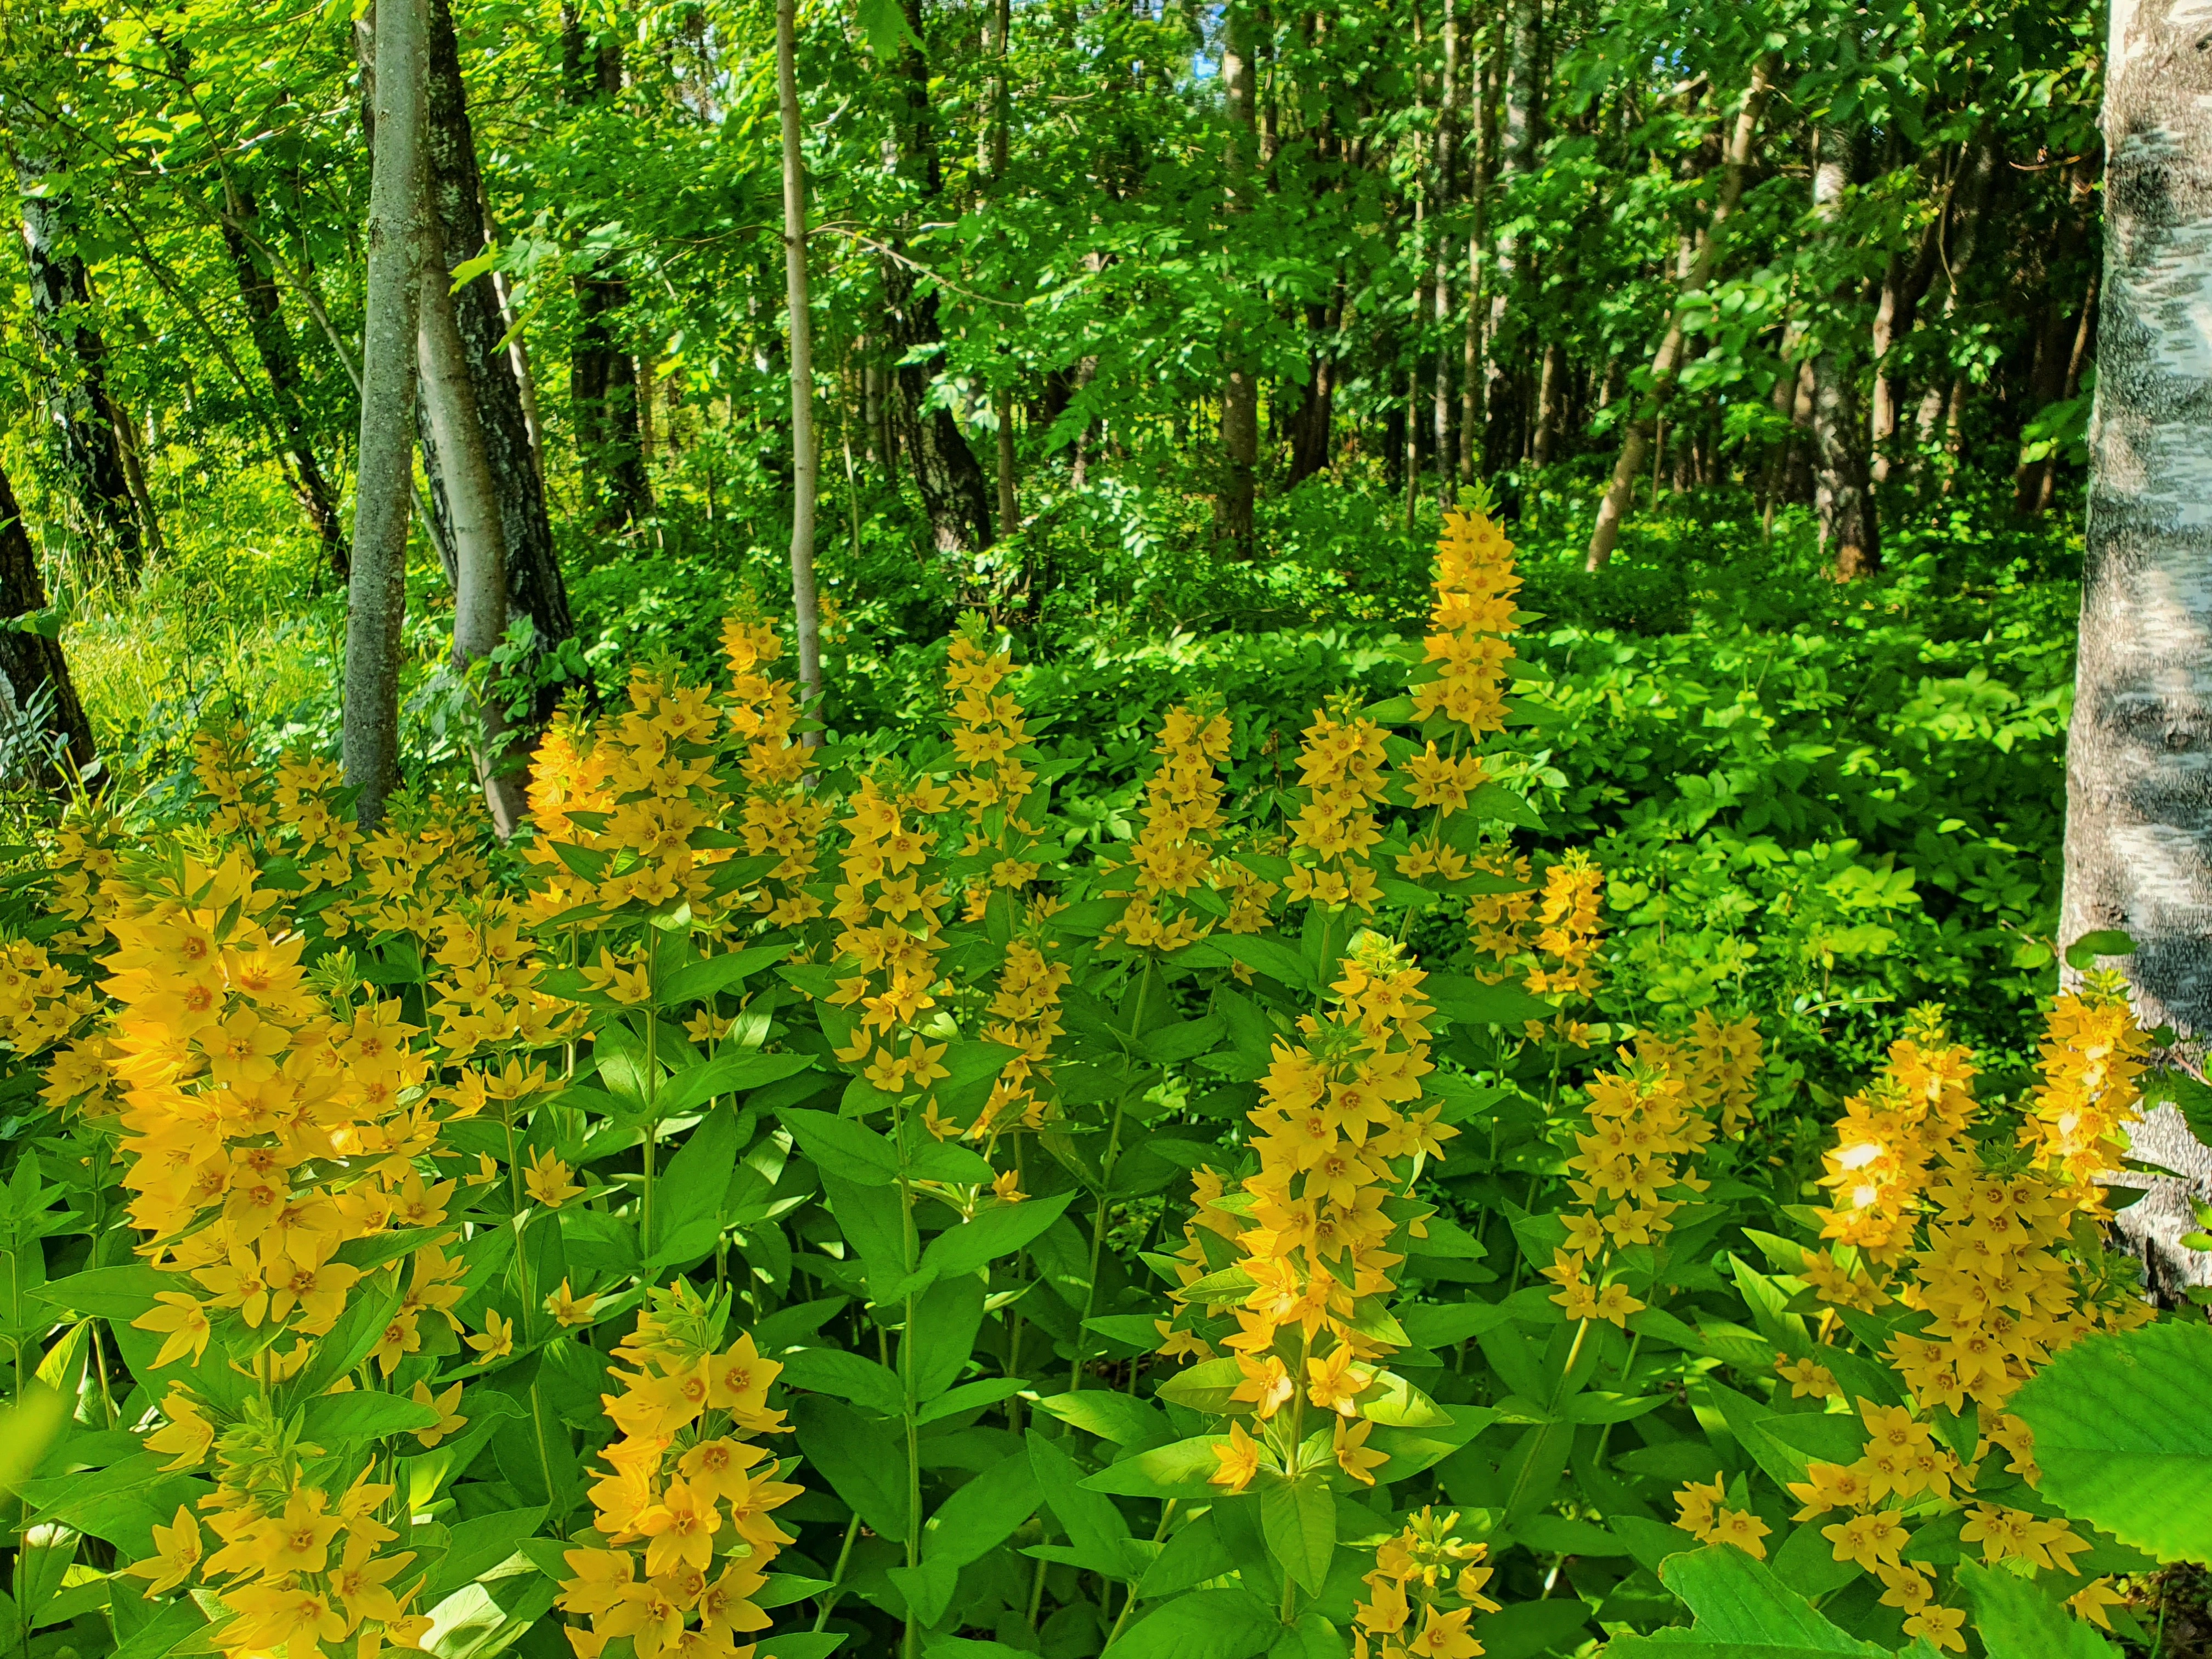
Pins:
x,y
548,1180
2091,1602
1940,1625
184,1319
1351,1454
1240,1460
450,1421
567,1311
681,1527
497,1342
176,1553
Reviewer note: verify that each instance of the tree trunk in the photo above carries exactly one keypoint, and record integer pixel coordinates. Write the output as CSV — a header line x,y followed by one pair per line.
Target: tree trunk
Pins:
x,y
1666,364
1440,280
496,375
1903,286
378,587
955,493
602,374
805,458
1523,97
1842,494
272,343
1240,391
1971,203
1314,413
1476,313
91,427
449,399
36,671
1551,384
2139,751
2033,481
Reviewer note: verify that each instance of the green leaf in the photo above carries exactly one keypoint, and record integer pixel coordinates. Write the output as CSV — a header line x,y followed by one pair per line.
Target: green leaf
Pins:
x,y
996,1233
1741,1609
843,1147
725,1075
1524,1629
2017,1619
1205,1387
926,1589
121,1293
1298,1519
2123,1439
983,1514
1271,957
1093,1525
971,1396
1470,1002
1215,1624
863,1461
883,22
1181,1470
801,1644
2082,955
689,1191
849,1377
477,1547
695,981
1119,1417
338,1418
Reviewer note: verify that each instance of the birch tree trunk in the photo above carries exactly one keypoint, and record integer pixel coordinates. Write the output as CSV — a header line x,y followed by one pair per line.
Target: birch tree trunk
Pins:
x,y
377,590
30,662
479,540
804,459
1240,391
2139,752
1667,362
1517,151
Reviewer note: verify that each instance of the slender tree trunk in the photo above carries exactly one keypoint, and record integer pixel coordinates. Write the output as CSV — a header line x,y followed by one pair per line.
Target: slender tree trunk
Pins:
x,y
1240,392
272,343
2034,481
378,585
1448,105
449,400
955,495
602,374
1843,496
498,378
1471,387
1551,384
2139,750
805,456
92,427
1903,285
1970,204
1666,364
35,670
1518,145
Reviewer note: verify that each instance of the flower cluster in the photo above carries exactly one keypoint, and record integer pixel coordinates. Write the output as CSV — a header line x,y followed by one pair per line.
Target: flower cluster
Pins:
x,y
1704,1513
1890,1135
1342,766
2092,1058
1466,647
1173,853
779,818
1339,1131
685,1510
1623,1172
1426,1585
1569,926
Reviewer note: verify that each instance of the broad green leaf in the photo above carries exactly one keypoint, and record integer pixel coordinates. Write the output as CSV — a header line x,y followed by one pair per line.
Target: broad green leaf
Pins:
x,y
946,1318
695,981
2017,1619
863,1461
688,1193
118,1293
1470,1002
983,1514
926,1587
1205,1387
1181,1470
1271,957
2123,1439
1216,1624
338,1418
971,1396
1119,1417
1094,1526
840,1146
1298,1519
849,1377
478,1546
1740,1608
993,1235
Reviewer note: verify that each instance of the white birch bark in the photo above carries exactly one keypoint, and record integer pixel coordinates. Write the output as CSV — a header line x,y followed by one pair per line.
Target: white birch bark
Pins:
x,y
2139,753
377,591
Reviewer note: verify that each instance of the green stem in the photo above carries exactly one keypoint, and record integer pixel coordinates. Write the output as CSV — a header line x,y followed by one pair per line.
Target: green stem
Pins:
x,y
831,1596
1098,1242
910,1251
651,1122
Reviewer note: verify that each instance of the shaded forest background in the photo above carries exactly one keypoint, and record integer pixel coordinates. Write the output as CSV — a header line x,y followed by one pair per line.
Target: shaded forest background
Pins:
x,y
1162,334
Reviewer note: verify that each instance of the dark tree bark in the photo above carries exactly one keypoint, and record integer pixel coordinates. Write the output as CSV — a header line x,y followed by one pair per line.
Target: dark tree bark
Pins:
x,y
534,586
32,661
1314,414
1240,389
602,374
955,493
92,429
272,343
